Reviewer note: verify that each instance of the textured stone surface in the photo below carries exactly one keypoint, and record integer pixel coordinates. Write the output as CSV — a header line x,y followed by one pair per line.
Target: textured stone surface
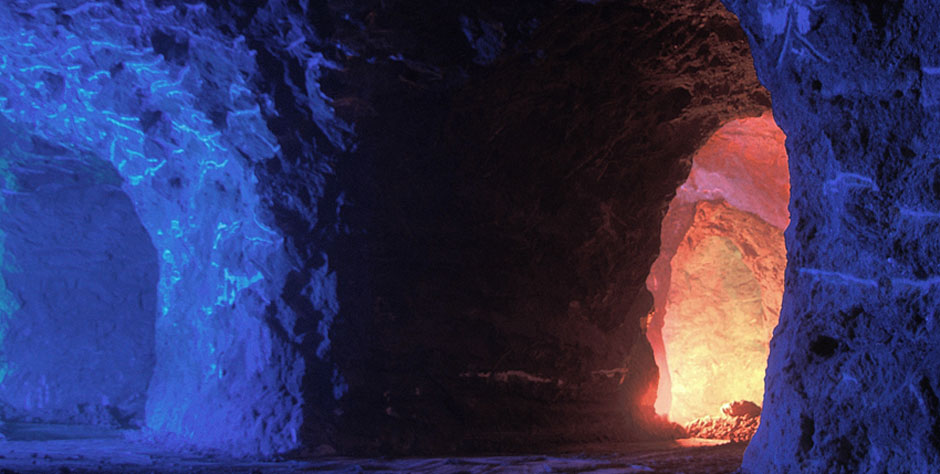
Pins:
x,y
852,376
745,164
738,429
718,279
723,301
741,408
709,331
163,96
737,422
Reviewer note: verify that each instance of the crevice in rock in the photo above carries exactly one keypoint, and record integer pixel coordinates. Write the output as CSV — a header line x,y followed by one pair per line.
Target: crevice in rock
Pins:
x,y
824,346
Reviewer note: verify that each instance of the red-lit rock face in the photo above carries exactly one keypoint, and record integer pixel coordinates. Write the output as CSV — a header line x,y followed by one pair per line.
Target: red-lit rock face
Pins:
x,y
719,279
745,164
723,303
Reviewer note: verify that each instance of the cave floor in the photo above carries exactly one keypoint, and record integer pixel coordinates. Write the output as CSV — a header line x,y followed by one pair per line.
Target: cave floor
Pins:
x,y
32,448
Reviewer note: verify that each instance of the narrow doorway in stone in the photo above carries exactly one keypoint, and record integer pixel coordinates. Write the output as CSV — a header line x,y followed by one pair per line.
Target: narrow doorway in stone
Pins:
x,y
77,299
718,281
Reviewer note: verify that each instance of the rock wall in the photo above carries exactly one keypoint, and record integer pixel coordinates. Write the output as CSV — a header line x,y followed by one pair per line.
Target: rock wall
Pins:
x,y
723,302
852,376
157,92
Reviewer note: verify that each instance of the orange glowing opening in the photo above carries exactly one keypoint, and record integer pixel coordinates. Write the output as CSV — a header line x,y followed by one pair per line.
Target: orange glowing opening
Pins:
x,y
718,281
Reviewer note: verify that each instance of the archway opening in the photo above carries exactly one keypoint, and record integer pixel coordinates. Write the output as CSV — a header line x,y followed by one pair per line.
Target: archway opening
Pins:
x,y
718,281
78,293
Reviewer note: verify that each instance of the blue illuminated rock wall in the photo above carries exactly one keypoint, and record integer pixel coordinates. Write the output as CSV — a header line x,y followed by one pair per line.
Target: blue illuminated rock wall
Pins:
x,y
168,100
852,379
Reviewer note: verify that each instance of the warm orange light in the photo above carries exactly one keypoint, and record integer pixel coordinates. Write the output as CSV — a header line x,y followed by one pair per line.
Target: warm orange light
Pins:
x,y
718,281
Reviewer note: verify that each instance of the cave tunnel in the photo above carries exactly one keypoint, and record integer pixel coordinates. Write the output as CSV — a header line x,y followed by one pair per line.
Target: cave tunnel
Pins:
x,y
80,286
717,283
423,236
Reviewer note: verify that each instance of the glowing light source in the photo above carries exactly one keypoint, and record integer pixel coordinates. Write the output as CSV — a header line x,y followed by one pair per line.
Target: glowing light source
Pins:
x,y
718,281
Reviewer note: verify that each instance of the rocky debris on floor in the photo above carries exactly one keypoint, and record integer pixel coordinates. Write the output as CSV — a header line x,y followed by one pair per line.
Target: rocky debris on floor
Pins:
x,y
737,423
741,408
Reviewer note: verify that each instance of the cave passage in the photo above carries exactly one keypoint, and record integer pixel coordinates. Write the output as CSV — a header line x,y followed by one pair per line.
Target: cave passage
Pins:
x,y
718,281
267,229
79,279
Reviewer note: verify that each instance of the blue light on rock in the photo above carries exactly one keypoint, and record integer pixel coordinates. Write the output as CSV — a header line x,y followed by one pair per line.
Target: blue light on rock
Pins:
x,y
86,82
8,307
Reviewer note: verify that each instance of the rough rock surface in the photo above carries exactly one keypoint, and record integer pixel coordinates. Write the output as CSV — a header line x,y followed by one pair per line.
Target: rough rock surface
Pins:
x,y
737,429
162,96
740,408
737,422
718,280
852,380
717,324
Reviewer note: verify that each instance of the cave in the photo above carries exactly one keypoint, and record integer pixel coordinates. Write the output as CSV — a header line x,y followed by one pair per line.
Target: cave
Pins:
x,y
423,236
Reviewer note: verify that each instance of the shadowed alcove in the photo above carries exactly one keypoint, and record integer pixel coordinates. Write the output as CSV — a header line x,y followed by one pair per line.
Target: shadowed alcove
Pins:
x,y
80,296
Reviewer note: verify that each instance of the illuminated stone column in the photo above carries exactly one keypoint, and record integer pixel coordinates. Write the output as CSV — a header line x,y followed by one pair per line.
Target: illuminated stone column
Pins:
x,y
852,379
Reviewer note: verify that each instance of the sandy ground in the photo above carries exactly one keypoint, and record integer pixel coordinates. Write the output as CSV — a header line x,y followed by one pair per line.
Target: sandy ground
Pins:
x,y
68,450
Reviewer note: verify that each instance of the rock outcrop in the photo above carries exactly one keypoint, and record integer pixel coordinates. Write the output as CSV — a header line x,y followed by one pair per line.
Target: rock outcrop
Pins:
x,y
717,324
741,408
852,380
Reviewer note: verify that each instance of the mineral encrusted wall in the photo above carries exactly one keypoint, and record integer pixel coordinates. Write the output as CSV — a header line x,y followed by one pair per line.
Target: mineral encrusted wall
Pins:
x,y
163,97
852,380
723,302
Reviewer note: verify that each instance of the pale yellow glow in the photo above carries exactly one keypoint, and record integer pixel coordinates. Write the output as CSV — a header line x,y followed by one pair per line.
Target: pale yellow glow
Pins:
x,y
716,350
718,281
